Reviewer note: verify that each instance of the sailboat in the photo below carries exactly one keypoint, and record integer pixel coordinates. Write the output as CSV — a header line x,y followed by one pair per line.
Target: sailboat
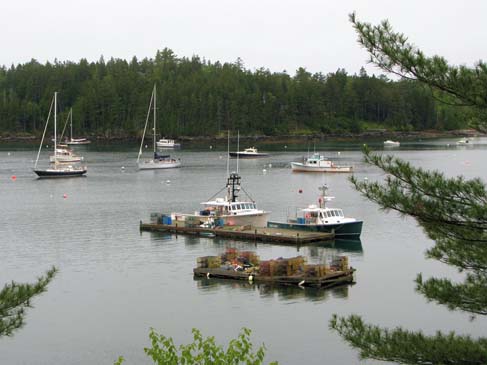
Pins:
x,y
159,161
64,153
71,140
57,169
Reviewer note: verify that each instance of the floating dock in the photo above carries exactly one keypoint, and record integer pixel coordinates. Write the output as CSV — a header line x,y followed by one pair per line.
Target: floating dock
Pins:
x,y
249,233
327,281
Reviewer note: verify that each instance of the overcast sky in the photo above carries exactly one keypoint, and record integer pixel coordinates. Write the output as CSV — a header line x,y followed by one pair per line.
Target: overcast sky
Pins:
x,y
274,34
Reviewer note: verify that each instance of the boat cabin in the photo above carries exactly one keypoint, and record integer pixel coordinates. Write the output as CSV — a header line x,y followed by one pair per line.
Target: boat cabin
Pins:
x,y
318,161
315,215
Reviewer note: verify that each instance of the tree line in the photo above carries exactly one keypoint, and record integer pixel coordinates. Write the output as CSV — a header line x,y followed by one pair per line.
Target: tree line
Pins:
x,y
197,97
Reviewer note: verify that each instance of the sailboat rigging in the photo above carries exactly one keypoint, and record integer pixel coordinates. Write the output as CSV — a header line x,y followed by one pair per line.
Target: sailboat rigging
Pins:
x,y
57,169
159,161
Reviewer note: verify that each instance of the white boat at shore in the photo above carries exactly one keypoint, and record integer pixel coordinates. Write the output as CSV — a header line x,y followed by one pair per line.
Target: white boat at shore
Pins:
x,y
166,143
318,163
464,142
250,152
390,143
158,160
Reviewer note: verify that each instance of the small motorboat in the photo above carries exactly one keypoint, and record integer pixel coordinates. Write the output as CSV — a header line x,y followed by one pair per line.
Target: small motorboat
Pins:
x,y
318,163
390,143
250,152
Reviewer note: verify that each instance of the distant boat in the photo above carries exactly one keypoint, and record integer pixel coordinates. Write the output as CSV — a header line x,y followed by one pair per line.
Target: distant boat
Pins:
x,y
248,153
58,169
322,219
158,161
390,143
167,143
464,141
71,140
318,163
65,155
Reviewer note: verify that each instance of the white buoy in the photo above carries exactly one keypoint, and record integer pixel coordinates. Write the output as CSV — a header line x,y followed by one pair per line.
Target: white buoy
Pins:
x,y
123,167
338,153
8,154
251,278
270,165
168,182
145,146
366,178
211,147
221,157
264,171
285,146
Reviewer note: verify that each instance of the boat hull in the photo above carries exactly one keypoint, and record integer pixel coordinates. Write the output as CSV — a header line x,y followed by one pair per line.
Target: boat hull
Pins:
x,y
248,155
299,167
59,173
254,220
342,230
157,165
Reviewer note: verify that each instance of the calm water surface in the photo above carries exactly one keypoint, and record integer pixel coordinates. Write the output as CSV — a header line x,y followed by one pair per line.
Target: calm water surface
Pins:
x,y
115,282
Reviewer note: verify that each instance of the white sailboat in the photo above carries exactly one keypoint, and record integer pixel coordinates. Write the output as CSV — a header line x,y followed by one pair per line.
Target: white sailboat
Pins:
x,y
57,169
159,161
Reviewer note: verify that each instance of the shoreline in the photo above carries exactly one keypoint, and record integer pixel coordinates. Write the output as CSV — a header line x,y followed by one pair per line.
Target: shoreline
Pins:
x,y
337,137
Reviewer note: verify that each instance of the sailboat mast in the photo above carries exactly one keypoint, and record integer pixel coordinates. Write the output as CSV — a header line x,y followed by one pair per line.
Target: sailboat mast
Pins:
x,y
44,133
71,122
55,131
154,129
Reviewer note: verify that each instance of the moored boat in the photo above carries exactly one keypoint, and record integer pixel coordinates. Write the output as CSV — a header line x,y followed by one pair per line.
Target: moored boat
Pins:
x,y
390,143
228,211
250,152
167,143
318,163
322,219
58,170
158,161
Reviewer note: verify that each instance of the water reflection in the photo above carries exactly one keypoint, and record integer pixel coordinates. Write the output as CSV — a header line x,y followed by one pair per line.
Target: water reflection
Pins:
x,y
281,292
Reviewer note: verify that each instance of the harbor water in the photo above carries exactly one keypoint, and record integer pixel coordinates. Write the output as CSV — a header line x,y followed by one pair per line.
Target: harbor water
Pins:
x,y
115,283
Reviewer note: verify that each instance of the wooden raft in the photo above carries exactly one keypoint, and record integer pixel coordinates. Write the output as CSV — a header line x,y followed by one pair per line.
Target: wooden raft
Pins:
x,y
327,281
281,235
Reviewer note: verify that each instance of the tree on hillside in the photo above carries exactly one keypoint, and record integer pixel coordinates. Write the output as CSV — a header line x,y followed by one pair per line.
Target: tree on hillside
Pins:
x,y
15,298
452,212
391,52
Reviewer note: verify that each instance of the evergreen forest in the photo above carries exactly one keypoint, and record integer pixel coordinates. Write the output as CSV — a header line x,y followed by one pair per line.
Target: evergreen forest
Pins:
x,y
197,97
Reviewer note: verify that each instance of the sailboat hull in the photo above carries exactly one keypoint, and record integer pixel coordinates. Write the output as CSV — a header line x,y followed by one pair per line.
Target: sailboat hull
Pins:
x,y
53,173
159,164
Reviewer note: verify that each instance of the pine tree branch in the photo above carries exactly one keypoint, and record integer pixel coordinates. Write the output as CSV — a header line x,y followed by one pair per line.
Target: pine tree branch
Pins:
x,y
406,347
14,298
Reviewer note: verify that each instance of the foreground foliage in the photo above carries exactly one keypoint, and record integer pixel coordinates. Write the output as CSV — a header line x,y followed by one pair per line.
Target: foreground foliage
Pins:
x,y
15,298
452,212
203,351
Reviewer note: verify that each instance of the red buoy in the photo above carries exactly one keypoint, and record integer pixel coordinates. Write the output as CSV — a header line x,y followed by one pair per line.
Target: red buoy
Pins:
x,y
300,191
65,196
13,177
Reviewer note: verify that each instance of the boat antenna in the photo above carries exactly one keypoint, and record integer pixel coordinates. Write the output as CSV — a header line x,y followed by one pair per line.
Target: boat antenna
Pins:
x,y
44,133
145,127
228,153
238,147
323,197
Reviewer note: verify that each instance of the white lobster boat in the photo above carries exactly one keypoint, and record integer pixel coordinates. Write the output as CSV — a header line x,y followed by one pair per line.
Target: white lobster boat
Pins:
x,y
318,163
